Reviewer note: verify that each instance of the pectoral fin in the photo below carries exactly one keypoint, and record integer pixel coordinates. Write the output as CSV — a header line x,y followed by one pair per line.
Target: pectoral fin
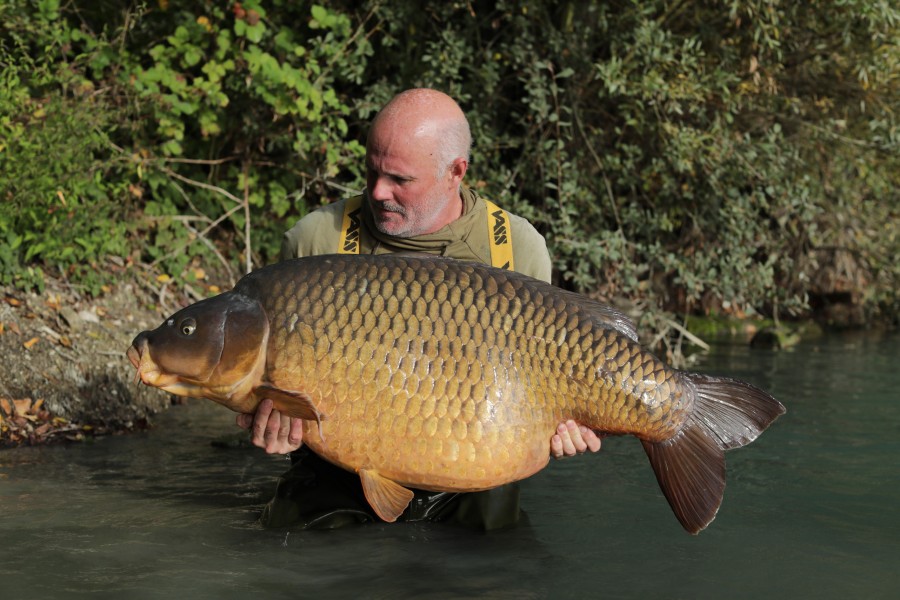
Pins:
x,y
292,404
388,498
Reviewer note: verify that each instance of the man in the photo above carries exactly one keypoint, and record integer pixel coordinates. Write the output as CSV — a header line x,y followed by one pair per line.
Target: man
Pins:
x,y
417,154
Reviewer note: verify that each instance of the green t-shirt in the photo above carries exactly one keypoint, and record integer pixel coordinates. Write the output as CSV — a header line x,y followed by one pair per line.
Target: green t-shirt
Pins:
x,y
467,238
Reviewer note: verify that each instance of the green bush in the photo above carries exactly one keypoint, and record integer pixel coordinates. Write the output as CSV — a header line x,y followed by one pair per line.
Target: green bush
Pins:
x,y
64,204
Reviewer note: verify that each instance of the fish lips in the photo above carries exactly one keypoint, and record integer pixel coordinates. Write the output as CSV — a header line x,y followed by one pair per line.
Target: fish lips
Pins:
x,y
133,353
148,372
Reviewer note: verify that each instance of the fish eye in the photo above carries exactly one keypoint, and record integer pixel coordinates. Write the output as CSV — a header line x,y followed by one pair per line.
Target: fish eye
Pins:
x,y
188,326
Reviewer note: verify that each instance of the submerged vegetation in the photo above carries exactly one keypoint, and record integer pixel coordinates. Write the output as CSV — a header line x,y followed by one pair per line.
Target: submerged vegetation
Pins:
x,y
732,158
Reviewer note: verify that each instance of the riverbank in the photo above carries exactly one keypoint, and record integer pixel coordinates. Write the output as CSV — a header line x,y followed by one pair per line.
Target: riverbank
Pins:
x,y
65,375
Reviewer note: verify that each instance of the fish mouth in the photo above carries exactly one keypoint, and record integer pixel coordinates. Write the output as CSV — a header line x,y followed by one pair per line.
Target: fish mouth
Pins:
x,y
134,355
148,372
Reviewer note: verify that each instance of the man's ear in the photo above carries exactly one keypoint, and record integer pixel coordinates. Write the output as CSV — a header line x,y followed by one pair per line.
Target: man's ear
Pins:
x,y
458,170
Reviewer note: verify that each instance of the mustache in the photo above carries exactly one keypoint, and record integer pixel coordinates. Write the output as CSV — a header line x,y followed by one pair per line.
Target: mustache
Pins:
x,y
392,207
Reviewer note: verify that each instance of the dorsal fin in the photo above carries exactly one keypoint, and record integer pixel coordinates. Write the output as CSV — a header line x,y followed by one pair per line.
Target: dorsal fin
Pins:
x,y
604,314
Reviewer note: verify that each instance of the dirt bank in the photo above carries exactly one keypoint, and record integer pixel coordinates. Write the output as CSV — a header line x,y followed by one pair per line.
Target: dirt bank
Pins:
x,y
64,373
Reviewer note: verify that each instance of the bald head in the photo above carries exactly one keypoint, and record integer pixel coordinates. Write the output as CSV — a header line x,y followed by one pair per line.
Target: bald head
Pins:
x,y
430,119
416,157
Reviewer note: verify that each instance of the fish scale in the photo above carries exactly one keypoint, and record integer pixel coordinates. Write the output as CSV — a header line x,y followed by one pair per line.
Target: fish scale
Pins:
x,y
448,376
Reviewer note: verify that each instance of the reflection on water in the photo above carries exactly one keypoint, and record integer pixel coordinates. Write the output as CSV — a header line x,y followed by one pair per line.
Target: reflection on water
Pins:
x,y
810,511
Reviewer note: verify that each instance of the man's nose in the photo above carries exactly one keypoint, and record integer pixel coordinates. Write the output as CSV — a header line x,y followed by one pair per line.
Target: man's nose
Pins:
x,y
379,189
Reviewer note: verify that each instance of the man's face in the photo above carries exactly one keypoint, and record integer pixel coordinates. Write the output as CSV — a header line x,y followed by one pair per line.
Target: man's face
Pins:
x,y
408,197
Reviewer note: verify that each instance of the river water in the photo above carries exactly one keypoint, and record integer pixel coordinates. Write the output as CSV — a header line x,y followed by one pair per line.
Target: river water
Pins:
x,y
810,511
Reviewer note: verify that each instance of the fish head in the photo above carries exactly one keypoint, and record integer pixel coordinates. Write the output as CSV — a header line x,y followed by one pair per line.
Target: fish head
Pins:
x,y
213,349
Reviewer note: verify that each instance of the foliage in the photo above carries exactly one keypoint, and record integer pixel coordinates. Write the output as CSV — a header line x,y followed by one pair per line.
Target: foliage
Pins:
x,y
700,155
735,156
57,207
245,112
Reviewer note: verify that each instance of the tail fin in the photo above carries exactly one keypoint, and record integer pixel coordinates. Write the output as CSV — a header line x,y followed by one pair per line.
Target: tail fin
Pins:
x,y
690,467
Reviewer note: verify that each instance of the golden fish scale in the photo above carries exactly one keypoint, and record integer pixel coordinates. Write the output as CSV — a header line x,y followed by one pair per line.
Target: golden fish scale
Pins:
x,y
443,376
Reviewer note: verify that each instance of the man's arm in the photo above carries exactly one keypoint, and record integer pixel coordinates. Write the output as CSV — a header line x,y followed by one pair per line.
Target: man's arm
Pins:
x,y
279,434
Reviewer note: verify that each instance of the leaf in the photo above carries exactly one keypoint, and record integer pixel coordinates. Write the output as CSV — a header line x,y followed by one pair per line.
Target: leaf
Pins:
x,y
28,345
192,56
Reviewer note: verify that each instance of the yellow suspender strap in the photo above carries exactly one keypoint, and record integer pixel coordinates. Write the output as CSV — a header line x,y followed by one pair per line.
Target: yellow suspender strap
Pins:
x,y
351,226
499,237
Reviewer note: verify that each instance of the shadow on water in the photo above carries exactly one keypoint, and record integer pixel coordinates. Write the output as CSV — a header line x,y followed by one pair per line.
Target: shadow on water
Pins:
x,y
809,511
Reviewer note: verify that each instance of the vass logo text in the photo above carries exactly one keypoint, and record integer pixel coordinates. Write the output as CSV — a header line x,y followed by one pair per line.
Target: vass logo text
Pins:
x,y
351,242
501,233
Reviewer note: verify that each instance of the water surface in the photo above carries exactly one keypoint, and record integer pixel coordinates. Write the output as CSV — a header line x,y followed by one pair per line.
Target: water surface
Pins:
x,y
810,511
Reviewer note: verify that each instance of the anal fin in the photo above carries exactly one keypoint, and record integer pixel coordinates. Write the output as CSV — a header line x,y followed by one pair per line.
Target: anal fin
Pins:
x,y
387,498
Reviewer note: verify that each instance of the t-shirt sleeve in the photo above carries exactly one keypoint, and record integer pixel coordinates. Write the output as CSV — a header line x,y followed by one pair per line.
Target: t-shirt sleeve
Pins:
x,y
315,234
530,250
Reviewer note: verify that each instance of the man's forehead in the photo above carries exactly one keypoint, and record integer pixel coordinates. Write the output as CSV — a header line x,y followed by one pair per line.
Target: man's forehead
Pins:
x,y
398,158
392,168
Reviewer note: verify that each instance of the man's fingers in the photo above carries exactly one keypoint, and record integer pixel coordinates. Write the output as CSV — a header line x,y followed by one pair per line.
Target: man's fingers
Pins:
x,y
295,437
556,446
577,444
571,439
590,438
272,432
561,444
244,421
260,421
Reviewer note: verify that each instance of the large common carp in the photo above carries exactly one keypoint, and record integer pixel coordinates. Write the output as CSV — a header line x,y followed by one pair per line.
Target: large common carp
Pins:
x,y
448,376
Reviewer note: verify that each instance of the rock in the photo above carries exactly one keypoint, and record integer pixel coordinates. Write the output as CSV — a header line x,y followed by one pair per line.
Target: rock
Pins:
x,y
77,320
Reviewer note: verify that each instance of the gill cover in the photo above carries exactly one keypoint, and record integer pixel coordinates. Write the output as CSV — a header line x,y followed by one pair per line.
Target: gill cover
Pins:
x,y
214,342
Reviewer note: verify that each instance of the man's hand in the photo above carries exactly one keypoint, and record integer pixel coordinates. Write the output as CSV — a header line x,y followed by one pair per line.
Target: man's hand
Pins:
x,y
280,434
571,439
269,429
